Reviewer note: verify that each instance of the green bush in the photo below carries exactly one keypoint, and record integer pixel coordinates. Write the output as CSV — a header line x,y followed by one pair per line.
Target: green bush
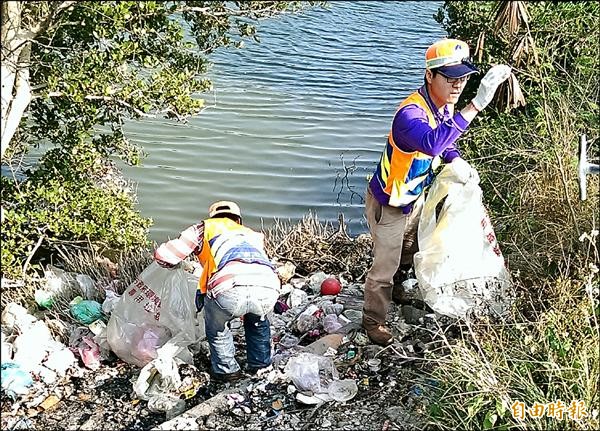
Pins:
x,y
56,209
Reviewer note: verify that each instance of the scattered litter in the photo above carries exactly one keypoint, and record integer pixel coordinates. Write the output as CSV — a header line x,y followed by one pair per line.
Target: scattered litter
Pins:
x,y
85,311
50,402
318,346
342,390
15,380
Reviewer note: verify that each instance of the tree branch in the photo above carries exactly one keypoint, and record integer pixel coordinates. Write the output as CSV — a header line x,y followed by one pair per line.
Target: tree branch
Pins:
x,y
45,22
227,12
35,248
108,99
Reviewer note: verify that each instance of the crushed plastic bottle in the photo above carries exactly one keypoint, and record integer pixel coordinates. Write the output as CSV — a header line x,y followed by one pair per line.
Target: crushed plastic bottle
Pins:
x,y
342,390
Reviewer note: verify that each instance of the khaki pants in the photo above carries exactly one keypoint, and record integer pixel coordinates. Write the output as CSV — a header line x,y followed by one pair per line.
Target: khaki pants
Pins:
x,y
394,242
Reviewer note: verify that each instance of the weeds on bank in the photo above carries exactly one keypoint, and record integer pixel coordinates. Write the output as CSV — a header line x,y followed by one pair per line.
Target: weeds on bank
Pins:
x,y
535,372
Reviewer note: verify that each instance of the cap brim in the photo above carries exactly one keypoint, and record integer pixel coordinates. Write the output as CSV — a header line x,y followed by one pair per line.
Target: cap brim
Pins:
x,y
458,70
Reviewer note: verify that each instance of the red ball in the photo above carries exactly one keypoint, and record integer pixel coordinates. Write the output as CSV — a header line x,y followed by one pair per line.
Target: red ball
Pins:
x,y
330,286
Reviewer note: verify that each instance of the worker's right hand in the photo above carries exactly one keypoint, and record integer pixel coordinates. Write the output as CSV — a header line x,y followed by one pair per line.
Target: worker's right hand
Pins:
x,y
464,171
489,84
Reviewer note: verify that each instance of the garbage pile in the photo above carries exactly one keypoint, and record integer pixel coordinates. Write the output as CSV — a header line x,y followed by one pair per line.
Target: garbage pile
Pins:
x,y
320,355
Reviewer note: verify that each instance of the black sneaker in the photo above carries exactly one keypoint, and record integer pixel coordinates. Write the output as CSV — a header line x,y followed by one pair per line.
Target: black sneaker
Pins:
x,y
228,377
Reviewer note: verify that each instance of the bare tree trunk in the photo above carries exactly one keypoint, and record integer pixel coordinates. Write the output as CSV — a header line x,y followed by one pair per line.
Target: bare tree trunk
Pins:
x,y
16,56
20,99
12,46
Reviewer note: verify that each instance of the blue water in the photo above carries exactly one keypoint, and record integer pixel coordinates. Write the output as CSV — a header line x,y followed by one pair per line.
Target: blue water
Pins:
x,y
296,123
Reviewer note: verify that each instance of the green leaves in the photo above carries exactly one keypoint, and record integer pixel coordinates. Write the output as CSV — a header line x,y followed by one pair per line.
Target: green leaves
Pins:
x,y
72,209
95,65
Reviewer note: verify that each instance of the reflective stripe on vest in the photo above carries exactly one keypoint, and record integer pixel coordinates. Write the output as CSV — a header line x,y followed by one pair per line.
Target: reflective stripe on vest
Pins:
x,y
227,241
403,175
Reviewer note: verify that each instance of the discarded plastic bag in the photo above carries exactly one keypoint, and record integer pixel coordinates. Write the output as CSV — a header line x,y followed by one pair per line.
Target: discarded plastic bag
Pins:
x,y
85,311
15,380
110,301
43,298
90,353
57,281
311,372
31,346
331,323
159,376
170,404
288,341
306,322
157,307
7,352
16,317
86,283
297,297
459,265
60,361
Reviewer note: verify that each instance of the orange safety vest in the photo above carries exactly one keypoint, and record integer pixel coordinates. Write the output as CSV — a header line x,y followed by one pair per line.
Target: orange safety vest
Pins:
x,y
226,241
403,175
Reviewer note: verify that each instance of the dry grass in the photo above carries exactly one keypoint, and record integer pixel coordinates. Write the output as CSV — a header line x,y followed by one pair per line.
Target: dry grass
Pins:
x,y
314,246
552,357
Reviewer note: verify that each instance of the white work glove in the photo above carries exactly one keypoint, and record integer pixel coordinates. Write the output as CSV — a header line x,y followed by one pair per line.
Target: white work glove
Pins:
x,y
464,171
489,84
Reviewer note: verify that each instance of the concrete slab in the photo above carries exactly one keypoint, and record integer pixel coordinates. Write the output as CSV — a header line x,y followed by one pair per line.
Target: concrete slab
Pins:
x,y
193,419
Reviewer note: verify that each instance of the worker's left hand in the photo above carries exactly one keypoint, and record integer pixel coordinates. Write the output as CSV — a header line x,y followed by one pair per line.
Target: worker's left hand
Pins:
x,y
464,171
166,265
490,82
199,300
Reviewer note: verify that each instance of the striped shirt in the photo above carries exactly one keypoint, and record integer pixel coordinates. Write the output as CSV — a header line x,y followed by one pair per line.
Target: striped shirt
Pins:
x,y
189,241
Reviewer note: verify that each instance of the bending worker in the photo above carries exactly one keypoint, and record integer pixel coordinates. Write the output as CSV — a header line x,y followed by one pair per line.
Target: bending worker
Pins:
x,y
237,280
424,133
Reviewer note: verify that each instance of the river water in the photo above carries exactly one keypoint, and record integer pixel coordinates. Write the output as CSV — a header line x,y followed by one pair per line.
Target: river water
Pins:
x,y
295,123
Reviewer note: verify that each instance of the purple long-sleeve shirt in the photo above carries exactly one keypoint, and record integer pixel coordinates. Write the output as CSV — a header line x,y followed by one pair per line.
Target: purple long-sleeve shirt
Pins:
x,y
411,132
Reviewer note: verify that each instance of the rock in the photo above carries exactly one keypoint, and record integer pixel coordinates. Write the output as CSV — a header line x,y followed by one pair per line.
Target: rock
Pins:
x,y
394,413
412,314
320,346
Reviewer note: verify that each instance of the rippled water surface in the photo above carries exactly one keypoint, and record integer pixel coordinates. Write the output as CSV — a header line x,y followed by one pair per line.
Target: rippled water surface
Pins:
x,y
296,123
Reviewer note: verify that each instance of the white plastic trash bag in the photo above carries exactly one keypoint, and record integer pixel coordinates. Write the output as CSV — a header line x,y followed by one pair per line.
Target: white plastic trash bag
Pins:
x,y
311,372
459,266
157,307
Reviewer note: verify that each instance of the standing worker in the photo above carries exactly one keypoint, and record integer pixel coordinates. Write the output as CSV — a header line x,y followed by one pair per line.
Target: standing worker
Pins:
x,y
424,132
237,280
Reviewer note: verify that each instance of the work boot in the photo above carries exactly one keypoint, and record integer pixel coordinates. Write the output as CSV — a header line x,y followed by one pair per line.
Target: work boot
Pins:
x,y
253,371
227,377
380,334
